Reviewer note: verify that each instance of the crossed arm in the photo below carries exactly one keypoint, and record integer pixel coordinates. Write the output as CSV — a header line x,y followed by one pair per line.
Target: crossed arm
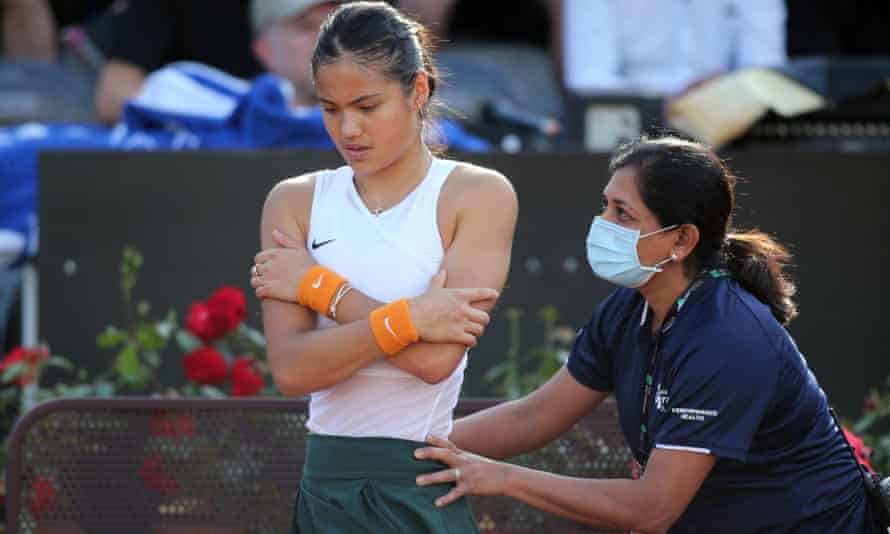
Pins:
x,y
305,359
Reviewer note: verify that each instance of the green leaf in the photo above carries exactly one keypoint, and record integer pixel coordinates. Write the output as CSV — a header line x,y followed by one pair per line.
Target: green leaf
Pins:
x,y
12,372
866,421
128,365
111,337
165,328
77,390
513,314
541,353
255,337
152,358
495,372
187,342
58,361
212,392
43,395
224,347
147,336
548,314
104,389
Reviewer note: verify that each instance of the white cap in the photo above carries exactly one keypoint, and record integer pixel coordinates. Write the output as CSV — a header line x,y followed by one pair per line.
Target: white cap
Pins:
x,y
264,12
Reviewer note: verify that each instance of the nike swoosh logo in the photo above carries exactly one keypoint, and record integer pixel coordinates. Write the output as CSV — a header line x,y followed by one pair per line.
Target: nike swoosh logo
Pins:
x,y
316,244
317,283
386,324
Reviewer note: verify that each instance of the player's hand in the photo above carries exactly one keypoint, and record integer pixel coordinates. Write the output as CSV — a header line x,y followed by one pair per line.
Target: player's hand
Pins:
x,y
447,315
277,272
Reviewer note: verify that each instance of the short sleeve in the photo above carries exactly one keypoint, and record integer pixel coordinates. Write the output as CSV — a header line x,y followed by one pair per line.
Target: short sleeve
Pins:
x,y
590,361
718,396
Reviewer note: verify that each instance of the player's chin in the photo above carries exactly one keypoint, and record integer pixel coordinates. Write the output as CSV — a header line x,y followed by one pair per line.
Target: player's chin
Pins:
x,y
364,165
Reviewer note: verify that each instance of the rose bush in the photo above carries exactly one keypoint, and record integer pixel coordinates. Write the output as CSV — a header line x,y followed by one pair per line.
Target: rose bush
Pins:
x,y
220,355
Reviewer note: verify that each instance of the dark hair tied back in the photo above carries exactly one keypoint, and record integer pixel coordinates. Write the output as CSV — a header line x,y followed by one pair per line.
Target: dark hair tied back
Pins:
x,y
758,262
685,182
378,36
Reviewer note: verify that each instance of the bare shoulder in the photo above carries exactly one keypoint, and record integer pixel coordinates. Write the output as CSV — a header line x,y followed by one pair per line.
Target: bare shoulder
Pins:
x,y
476,197
288,206
471,184
296,192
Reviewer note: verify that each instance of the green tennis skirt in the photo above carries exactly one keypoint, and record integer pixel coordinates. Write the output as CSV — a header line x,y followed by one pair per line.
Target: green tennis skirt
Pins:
x,y
367,485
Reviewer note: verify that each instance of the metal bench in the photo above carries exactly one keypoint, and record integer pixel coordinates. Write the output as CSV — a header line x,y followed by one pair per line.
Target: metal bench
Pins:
x,y
158,465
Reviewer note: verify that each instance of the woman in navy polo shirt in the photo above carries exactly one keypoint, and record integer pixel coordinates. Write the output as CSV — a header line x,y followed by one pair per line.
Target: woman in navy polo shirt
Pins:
x,y
715,399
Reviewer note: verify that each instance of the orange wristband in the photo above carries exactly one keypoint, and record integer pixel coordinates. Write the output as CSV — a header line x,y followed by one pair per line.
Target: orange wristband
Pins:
x,y
318,287
392,327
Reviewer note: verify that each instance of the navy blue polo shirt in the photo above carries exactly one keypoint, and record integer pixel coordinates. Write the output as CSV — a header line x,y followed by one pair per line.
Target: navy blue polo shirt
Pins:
x,y
728,381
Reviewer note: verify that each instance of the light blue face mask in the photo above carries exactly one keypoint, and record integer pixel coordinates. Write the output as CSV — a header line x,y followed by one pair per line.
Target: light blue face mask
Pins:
x,y
612,253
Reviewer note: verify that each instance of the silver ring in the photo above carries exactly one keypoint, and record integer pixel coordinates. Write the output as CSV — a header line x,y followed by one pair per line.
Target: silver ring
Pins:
x,y
456,474
254,271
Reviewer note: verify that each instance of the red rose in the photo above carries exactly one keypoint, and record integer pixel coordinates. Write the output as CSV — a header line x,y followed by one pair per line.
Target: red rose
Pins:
x,y
154,476
205,366
30,357
44,496
199,322
246,380
861,452
227,308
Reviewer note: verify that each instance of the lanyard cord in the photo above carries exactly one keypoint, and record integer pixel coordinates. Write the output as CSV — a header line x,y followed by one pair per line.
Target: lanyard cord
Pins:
x,y
643,451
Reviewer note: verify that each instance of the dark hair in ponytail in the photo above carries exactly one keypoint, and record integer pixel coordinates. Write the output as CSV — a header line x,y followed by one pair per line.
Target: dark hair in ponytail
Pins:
x,y
685,182
757,262
376,35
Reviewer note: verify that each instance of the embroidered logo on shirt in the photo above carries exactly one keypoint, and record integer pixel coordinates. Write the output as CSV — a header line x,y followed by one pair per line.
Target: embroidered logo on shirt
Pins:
x,y
692,414
316,244
662,398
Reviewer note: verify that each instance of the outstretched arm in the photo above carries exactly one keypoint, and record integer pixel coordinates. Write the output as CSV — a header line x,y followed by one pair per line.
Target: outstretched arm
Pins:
x,y
528,423
650,505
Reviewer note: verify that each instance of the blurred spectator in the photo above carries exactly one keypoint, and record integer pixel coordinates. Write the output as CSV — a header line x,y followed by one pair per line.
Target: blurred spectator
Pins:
x,y
31,27
29,31
530,21
152,33
284,38
666,47
832,28
434,14
496,55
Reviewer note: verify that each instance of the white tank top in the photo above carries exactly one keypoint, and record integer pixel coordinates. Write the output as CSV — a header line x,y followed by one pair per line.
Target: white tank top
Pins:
x,y
386,257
